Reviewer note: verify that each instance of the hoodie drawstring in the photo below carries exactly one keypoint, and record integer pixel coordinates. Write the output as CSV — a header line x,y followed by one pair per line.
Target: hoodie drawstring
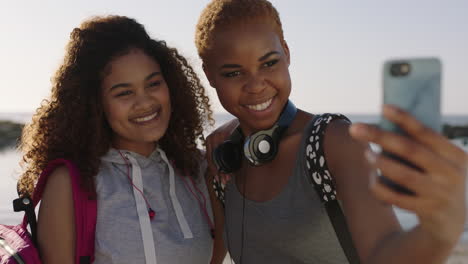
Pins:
x,y
142,210
142,206
175,201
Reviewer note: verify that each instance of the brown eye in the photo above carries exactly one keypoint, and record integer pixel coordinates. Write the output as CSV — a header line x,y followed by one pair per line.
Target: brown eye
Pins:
x,y
124,93
153,84
270,63
231,74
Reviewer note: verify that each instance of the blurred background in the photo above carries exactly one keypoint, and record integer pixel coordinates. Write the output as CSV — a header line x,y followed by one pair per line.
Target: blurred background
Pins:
x,y
337,52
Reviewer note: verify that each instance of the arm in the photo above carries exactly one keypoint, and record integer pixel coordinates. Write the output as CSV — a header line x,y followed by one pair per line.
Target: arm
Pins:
x,y
369,220
214,139
56,227
440,190
219,251
439,203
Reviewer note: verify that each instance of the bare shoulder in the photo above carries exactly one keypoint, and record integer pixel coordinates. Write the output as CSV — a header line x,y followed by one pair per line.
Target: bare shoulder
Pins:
x,y
56,219
59,180
338,130
341,150
57,198
346,161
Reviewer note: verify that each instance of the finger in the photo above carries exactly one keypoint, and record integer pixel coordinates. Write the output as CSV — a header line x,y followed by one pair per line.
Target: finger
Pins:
x,y
388,196
405,148
427,205
423,185
403,175
425,135
420,205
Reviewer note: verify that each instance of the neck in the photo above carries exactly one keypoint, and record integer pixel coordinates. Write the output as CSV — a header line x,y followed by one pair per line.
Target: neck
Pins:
x,y
142,148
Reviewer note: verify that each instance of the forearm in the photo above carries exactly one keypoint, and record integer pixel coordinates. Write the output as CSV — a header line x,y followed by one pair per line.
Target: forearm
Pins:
x,y
414,246
219,251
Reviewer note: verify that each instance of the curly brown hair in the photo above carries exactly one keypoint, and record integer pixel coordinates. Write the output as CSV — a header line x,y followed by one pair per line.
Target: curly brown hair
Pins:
x,y
219,13
72,124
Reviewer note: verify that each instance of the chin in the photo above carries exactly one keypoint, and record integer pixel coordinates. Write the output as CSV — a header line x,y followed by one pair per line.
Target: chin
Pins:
x,y
154,138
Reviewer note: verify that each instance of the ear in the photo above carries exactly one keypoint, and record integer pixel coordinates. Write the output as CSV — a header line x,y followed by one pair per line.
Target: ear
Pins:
x,y
208,75
284,44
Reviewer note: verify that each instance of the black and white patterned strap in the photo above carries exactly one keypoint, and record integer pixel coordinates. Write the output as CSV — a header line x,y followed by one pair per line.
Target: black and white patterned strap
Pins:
x,y
315,161
219,189
320,177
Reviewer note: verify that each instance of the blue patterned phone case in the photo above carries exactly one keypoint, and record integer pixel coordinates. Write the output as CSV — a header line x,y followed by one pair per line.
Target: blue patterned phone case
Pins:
x,y
415,86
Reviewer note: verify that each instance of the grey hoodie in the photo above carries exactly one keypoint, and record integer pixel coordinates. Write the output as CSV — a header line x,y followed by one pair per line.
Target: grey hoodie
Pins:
x,y
180,229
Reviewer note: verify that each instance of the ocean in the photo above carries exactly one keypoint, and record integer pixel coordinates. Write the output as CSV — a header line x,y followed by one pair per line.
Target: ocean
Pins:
x,y
23,117
10,170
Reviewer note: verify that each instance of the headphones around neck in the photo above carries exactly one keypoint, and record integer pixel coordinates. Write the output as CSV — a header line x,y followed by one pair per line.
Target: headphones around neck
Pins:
x,y
258,148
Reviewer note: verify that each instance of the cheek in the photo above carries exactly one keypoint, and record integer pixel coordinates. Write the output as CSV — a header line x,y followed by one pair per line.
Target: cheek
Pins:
x,y
115,112
229,101
167,103
162,95
282,78
227,89
166,96
226,95
287,80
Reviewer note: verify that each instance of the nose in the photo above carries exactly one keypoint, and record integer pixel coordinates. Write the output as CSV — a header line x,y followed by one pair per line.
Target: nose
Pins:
x,y
255,84
144,100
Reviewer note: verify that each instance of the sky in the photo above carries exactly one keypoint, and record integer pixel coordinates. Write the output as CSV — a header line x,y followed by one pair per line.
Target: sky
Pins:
x,y
337,47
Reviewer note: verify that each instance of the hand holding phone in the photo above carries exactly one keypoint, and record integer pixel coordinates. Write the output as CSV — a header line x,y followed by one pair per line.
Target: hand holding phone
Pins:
x,y
438,184
414,86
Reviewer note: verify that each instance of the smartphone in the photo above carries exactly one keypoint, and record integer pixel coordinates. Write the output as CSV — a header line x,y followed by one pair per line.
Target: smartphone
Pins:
x,y
413,85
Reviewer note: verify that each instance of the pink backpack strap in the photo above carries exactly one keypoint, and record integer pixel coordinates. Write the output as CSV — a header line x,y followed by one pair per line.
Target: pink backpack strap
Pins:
x,y
85,210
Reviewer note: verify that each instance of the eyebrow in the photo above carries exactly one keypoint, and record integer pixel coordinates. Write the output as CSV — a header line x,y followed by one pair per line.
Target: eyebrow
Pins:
x,y
262,58
127,84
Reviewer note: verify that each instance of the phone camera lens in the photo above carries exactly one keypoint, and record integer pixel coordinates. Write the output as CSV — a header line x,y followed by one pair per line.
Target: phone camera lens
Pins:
x,y
400,69
405,68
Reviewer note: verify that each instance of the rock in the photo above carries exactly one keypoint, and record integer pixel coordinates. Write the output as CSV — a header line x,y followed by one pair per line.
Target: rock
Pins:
x,y
10,132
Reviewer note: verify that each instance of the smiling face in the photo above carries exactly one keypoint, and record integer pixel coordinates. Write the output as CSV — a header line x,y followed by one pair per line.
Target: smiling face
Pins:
x,y
136,102
248,66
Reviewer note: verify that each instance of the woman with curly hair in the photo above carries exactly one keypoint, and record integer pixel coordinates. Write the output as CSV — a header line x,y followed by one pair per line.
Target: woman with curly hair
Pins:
x,y
126,110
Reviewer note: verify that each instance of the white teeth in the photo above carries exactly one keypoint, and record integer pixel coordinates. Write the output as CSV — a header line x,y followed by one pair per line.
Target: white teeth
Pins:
x,y
260,107
146,118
